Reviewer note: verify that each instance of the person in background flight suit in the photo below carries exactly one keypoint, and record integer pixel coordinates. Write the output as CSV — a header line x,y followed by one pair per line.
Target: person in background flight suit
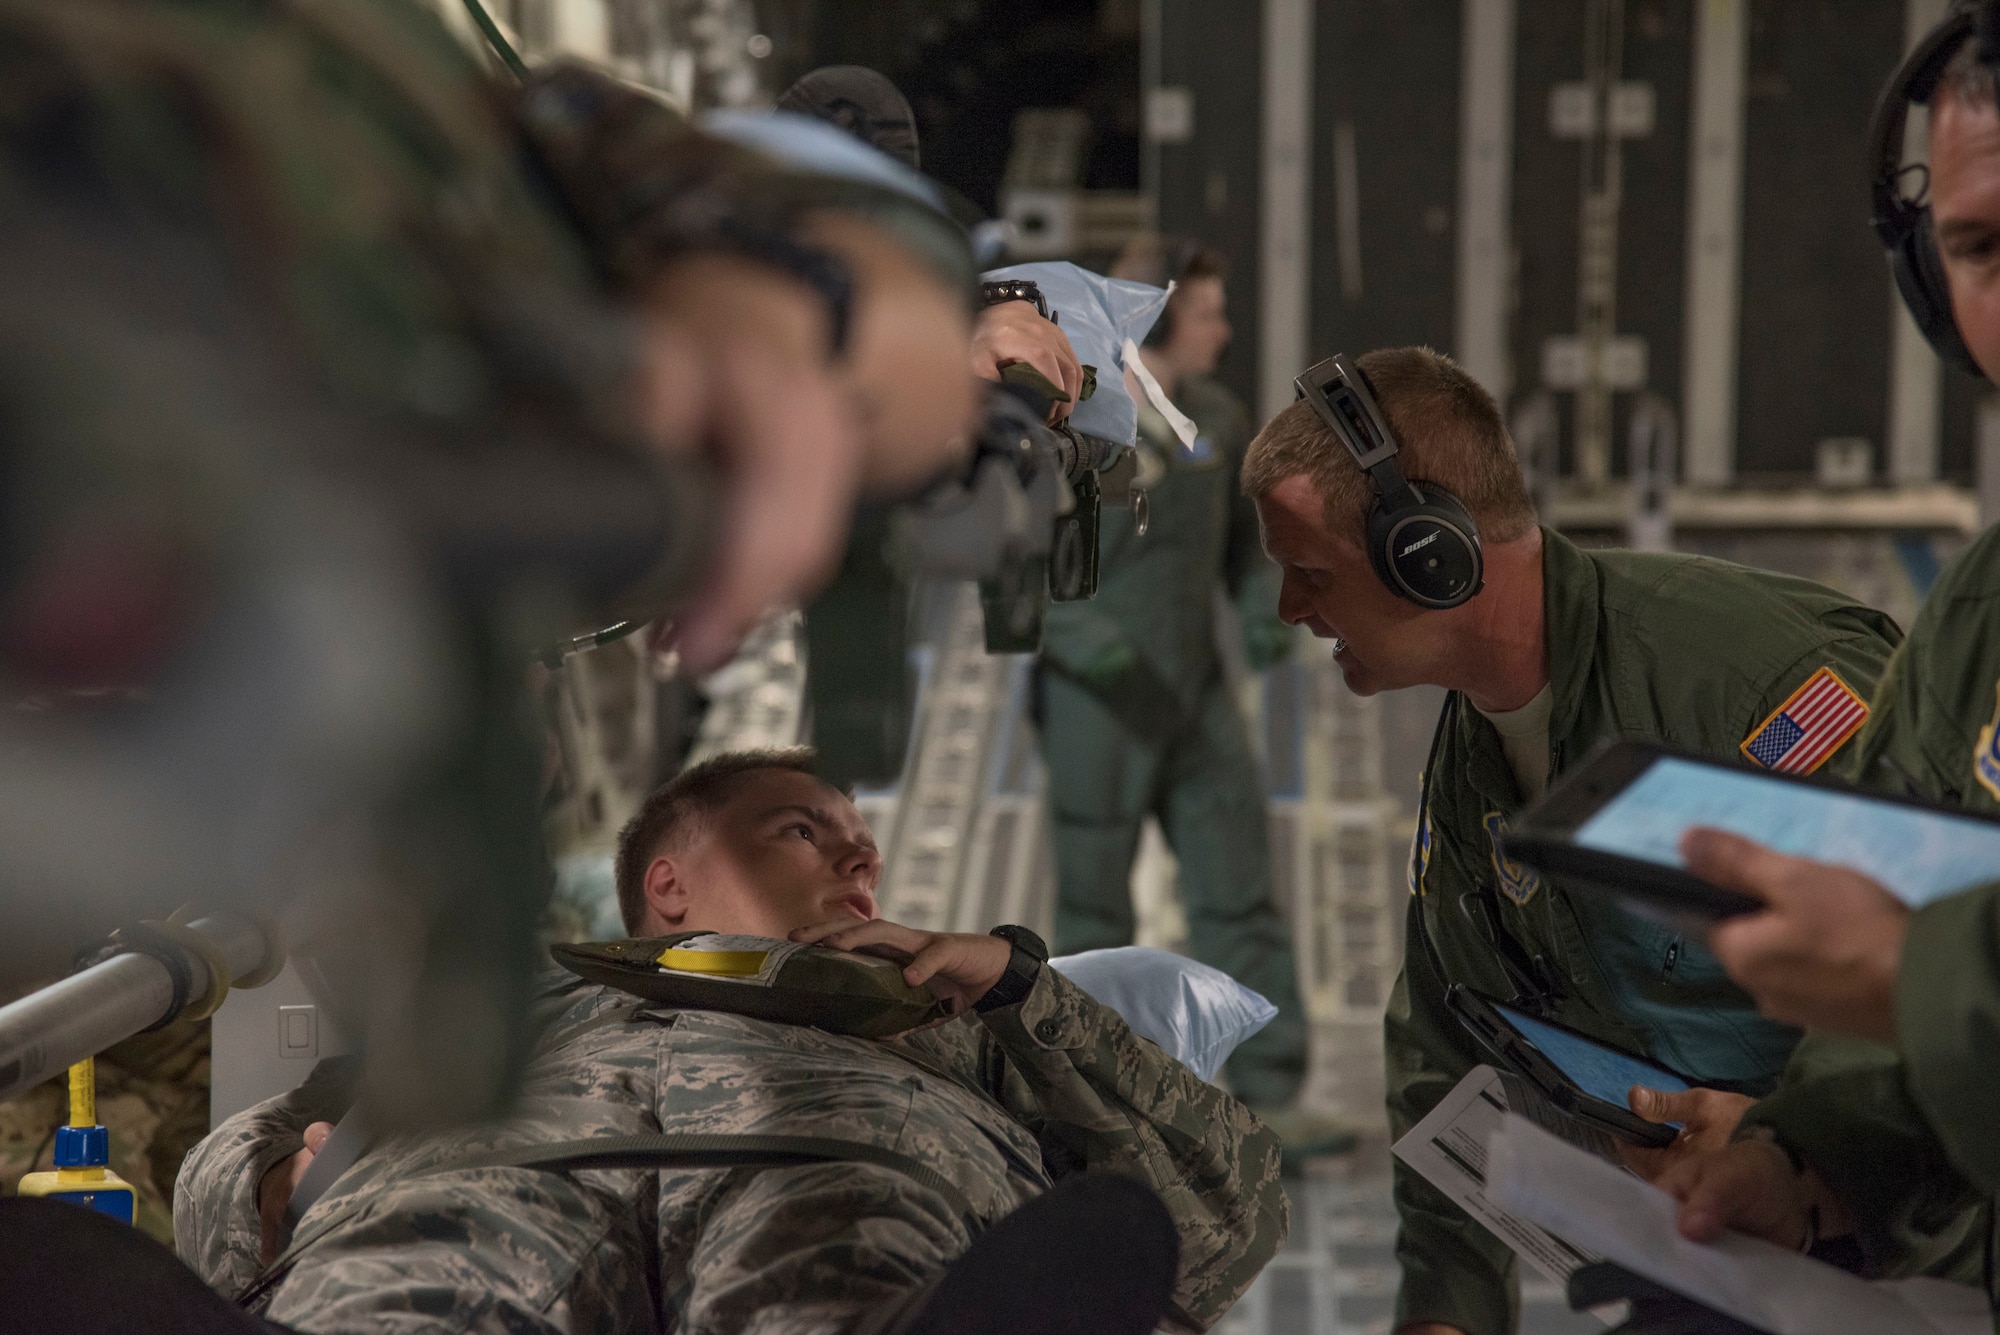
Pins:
x,y
1885,1122
1136,713
1561,650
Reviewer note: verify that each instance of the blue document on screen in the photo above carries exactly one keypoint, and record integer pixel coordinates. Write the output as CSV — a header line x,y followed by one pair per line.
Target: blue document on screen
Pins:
x,y
1601,1072
1918,855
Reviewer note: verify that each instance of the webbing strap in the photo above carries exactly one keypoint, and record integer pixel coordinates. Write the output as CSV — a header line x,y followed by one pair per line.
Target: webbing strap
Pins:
x,y
711,1151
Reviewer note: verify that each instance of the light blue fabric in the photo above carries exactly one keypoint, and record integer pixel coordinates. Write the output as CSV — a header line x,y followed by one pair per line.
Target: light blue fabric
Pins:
x,y
1197,1014
815,146
1098,314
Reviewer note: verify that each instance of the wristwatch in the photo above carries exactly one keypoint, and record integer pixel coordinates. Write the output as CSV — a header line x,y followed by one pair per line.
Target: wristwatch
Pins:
x,y
1030,954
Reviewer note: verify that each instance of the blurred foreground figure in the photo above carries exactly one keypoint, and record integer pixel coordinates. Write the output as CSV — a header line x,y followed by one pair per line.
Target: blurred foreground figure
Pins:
x,y
337,380
1137,715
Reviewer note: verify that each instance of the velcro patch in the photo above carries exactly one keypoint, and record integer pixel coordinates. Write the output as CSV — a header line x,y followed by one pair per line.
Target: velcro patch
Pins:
x,y
1986,751
1517,882
1804,732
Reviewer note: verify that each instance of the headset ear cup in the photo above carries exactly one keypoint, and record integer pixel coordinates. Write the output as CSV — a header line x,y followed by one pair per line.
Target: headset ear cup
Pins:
x,y
1380,524
1452,569
1920,278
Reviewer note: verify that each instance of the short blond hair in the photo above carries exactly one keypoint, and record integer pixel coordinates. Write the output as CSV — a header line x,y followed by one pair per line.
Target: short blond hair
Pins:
x,y
1451,436
675,811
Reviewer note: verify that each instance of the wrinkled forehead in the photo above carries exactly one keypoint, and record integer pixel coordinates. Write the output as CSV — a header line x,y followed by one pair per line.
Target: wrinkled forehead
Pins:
x,y
1964,150
1293,519
758,793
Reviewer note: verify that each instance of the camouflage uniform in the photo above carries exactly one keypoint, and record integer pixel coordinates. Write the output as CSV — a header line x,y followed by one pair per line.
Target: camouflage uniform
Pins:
x,y
1000,1104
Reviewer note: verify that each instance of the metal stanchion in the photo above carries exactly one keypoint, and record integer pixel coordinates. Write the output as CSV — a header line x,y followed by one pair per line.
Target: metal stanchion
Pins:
x,y
161,972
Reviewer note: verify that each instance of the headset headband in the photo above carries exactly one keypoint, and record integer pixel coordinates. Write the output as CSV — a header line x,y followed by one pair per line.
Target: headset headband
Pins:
x,y
1914,82
1341,397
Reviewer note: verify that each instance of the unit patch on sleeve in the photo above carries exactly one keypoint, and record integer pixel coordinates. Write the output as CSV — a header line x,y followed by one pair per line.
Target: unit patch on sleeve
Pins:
x,y
1802,733
1986,751
1517,882
1420,846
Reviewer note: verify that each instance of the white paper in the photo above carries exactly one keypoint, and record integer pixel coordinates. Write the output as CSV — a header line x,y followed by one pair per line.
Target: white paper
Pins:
x,y
1448,1150
1534,1175
1182,424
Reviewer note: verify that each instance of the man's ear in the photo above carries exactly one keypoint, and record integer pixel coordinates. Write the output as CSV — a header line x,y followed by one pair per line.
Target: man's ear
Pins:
x,y
666,897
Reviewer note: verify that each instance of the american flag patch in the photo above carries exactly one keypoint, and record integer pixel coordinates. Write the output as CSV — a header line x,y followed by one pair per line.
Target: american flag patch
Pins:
x,y
1809,727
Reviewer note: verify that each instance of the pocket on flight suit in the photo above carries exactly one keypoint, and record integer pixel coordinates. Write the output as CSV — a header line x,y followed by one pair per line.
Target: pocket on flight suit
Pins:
x,y
1672,990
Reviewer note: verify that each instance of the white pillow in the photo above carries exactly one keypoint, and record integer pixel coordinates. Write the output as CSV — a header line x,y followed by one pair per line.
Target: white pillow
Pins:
x,y
1197,1014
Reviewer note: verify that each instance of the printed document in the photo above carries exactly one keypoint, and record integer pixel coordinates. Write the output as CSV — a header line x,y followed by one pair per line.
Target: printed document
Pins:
x,y
1538,1181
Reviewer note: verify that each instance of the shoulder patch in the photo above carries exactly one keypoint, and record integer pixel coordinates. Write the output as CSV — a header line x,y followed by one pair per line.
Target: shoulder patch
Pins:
x,y
1420,845
1804,732
1986,751
1517,882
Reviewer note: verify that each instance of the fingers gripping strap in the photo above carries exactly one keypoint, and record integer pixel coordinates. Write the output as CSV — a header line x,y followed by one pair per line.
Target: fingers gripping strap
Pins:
x,y
712,1151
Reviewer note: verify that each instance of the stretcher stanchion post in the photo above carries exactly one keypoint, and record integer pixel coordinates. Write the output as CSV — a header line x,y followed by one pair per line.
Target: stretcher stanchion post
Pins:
x,y
82,1175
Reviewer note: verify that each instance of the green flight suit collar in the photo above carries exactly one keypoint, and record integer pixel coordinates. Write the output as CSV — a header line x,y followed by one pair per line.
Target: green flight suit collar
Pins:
x,y
1571,611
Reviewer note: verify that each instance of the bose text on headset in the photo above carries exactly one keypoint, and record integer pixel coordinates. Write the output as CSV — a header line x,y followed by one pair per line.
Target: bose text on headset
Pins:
x,y
1421,539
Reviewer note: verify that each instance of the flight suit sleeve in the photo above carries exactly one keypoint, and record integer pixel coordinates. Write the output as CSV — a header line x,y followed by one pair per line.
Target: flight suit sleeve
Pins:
x,y
1102,1098
216,1225
1948,1026
1846,1108
1911,744
1454,1270
1861,661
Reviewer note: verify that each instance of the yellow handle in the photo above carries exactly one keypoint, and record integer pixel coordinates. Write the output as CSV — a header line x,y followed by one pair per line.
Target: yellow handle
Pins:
x,y
83,1093
726,963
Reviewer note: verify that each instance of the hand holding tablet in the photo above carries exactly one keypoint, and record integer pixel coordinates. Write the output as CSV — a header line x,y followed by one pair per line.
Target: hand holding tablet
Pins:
x,y
1802,887
1617,822
1826,949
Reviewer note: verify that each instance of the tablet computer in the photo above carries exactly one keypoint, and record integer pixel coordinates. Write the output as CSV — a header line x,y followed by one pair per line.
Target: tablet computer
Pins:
x,y
1580,1076
1616,823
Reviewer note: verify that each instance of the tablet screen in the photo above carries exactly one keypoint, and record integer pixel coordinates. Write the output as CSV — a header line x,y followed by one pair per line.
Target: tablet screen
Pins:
x,y
1919,855
1601,1072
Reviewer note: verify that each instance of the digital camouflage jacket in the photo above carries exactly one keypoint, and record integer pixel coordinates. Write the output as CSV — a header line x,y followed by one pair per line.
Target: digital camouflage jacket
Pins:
x,y
1000,1104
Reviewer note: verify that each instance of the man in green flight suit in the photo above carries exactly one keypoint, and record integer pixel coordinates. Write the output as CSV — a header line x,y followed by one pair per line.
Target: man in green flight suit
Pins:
x,y
1136,713
1560,650
1883,1124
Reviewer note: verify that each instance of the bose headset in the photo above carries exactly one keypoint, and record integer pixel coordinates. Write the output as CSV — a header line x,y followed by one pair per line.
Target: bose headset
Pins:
x,y
1903,223
1421,538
